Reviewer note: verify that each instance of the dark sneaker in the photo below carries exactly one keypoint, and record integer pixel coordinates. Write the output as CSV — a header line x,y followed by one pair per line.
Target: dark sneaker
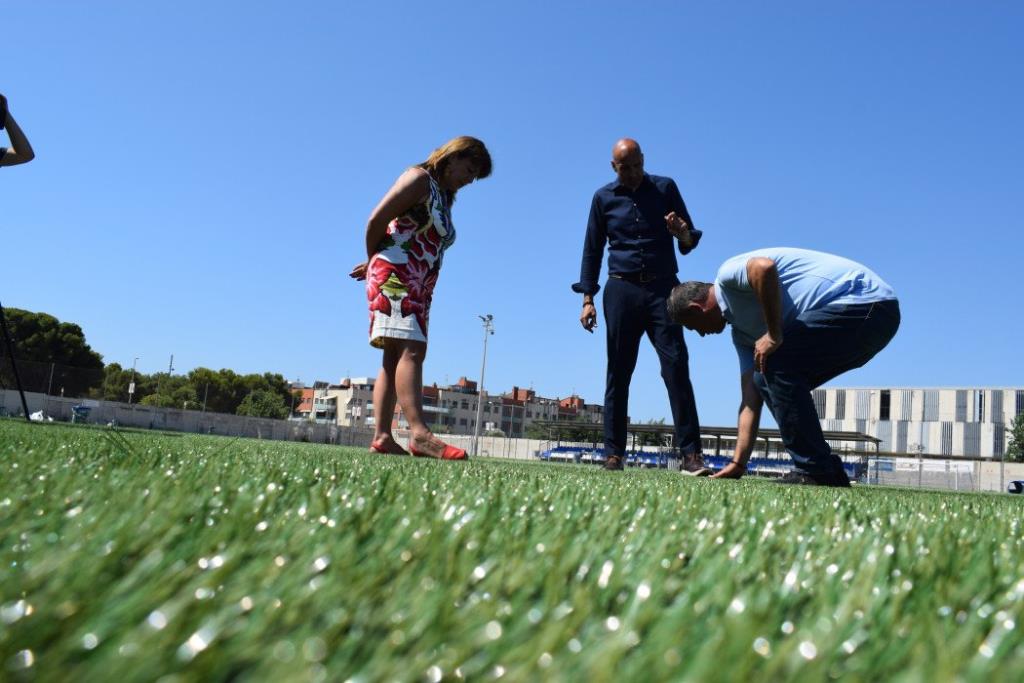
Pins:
x,y
798,479
613,462
841,481
693,466
803,479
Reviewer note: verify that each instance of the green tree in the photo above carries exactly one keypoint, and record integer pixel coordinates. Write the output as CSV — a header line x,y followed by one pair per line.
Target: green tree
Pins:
x,y
225,390
159,401
263,403
165,391
1015,448
210,387
40,339
115,384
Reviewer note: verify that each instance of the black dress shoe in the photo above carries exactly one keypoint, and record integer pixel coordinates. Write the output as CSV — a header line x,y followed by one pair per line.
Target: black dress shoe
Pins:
x,y
613,462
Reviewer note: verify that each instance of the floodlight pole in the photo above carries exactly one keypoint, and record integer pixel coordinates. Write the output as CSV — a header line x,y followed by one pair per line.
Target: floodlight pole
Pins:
x,y
488,329
14,365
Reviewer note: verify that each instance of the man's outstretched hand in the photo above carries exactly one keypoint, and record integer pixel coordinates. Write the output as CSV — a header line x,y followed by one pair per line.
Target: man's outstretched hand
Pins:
x,y
733,470
679,228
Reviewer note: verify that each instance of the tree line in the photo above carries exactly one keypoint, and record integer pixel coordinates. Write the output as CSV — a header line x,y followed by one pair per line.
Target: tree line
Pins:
x,y
44,341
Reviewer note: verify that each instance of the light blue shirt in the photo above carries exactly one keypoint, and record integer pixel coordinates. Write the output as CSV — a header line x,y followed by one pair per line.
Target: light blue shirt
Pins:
x,y
809,280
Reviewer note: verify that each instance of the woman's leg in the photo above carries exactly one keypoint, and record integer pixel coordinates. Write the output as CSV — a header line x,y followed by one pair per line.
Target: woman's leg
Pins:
x,y
384,397
409,384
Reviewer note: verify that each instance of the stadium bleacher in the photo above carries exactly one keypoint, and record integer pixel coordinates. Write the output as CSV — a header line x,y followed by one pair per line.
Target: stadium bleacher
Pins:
x,y
765,467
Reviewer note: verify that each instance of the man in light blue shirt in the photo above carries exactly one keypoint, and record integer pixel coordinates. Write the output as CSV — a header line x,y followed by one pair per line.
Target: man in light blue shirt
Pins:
x,y
799,318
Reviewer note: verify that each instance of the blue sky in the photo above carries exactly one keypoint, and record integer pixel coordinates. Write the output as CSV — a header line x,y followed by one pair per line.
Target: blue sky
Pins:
x,y
205,171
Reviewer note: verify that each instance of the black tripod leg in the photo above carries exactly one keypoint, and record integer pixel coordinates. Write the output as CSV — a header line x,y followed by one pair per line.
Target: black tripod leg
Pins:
x,y
14,364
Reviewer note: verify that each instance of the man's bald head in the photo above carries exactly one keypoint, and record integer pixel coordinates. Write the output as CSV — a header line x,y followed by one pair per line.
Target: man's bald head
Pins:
x,y
628,162
625,147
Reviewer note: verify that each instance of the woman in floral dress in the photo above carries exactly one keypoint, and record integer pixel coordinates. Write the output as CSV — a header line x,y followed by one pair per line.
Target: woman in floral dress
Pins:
x,y
406,238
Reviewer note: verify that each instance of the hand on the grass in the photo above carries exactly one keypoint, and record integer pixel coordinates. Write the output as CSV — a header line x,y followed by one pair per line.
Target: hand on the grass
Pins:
x,y
358,271
733,470
765,346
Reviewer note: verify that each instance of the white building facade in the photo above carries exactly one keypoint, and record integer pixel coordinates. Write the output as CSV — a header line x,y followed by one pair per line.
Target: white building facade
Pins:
x,y
966,422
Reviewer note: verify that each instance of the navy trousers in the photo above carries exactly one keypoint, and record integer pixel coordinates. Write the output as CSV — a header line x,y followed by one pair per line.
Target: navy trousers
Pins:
x,y
817,347
632,309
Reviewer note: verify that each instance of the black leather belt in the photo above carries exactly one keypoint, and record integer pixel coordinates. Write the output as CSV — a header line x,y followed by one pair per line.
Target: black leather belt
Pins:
x,y
640,278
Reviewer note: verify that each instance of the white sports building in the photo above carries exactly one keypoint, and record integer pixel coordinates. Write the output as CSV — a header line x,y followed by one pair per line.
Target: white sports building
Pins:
x,y
972,422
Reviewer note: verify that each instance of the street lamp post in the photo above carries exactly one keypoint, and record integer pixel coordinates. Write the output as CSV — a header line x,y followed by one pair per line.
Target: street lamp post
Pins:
x,y
488,330
131,384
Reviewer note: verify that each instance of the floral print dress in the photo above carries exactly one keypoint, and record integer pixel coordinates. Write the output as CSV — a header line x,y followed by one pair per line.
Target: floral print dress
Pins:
x,y
400,277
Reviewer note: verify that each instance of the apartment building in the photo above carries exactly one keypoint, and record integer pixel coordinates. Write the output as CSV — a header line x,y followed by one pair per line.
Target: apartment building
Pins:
x,y
969,422
314,403
453,408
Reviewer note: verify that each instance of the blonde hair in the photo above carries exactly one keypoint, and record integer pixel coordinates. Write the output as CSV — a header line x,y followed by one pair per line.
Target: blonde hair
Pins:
x,y
461,147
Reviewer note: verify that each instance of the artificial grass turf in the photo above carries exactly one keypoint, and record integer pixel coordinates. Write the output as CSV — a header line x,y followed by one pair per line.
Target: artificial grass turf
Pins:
x,y
135,556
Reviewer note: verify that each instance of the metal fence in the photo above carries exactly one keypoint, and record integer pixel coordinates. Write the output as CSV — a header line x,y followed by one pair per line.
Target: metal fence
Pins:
x,y
49,378
113,413
950,474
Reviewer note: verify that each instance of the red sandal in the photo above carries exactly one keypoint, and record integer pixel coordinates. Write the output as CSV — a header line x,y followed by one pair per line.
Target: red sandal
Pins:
x,y
374,448
450,453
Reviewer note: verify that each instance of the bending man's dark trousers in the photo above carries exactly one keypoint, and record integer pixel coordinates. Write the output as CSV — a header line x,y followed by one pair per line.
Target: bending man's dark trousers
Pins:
x,y
816,347
630,310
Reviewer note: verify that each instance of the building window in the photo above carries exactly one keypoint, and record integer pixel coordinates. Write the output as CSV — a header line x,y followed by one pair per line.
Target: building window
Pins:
x,y
819,402
961,406
841,404
931,406
465,405
947,438
884,403
462,422
906,404
901,436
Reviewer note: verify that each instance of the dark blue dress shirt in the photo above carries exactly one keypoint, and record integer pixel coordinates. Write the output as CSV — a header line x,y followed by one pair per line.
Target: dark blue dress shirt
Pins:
x,y
632,223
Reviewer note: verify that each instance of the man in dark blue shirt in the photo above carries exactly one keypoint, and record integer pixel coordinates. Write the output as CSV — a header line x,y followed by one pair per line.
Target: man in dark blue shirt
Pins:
x,y
642,219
